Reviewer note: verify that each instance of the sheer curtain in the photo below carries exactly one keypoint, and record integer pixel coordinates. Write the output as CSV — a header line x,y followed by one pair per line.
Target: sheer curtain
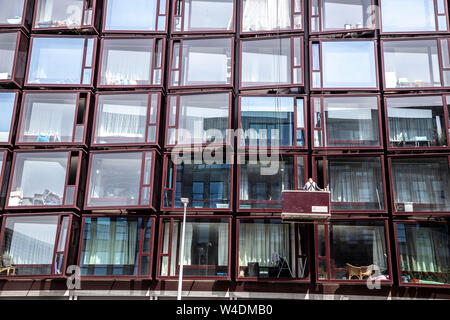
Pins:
x,y
407,124
379,249
116,120
266,15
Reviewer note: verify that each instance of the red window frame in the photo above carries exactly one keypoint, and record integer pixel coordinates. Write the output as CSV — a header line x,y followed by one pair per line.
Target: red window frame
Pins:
x,y
79,122
325,157
68,247
142,184
320,70
145,219
165,188
327,257
429,156
20,51
148,121
307,255
161,254
442,68
178,68
9,143
321,99
296,182
71,154
181,16
174,126
158,16
294,66
4,175
84,68
397,254
93,25
27,13
445,98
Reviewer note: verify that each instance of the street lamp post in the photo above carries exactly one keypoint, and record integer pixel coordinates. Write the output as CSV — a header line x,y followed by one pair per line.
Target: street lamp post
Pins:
x,y
185,201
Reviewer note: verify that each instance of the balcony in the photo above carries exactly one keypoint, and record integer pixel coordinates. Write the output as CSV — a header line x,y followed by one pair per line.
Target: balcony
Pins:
x,y
306,205
13,51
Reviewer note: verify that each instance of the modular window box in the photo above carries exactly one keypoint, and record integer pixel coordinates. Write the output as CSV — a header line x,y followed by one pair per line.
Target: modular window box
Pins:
x,y
116,247
420,184
416,64
272,121
53,118
269,250
259,16
14,14
207,185
206,252
416,122
61,61
199,119
126,119
205,16
202,63
423,251
350,122
120,179
262,180
13,51
344,65
37,245
8,103
44,179
135,16
356,183
4,171
329,16
413,16
64,14
282,59
135,62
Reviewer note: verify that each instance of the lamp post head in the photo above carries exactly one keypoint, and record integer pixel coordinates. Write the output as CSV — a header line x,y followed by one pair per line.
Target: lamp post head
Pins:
x,y
184,200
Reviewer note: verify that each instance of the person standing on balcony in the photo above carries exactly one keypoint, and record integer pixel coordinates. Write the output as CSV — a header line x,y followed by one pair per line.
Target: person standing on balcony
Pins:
x,y
310,185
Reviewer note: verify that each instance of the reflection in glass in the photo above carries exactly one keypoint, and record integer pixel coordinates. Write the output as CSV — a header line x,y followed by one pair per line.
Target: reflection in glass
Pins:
x,y
11,12
136,15
7,100
7,53
60,13
408,15
266,15
346,14
204,15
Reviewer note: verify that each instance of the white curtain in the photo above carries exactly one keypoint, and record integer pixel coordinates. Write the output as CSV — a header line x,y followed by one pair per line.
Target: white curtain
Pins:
x,y
121,121
266,15
379,249
127,67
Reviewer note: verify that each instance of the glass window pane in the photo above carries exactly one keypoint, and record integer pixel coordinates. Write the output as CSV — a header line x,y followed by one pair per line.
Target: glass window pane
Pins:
x,y
63,234
115,179
416,122
61,13
266,15
136,15
121,118
204,15
274,55
346,14
407,15
349,64
410,64
126,62
38,179
7,53
48,117
7,100
11,11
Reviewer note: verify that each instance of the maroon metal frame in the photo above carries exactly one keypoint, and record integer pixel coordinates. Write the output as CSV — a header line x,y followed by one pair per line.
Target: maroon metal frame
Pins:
x,y
180,64
83,68
142,239
3,173
436,14
440,57
84,125
325,157
292,61
75,205
264,211
9,143
161,254
321,71
397,253
20,52
430,156
319,17
70,234
307,254
84,26
26,15
142,184
158,14
174,179
327,257
154,63
202,31
148,123
446,115
177,119
325,147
